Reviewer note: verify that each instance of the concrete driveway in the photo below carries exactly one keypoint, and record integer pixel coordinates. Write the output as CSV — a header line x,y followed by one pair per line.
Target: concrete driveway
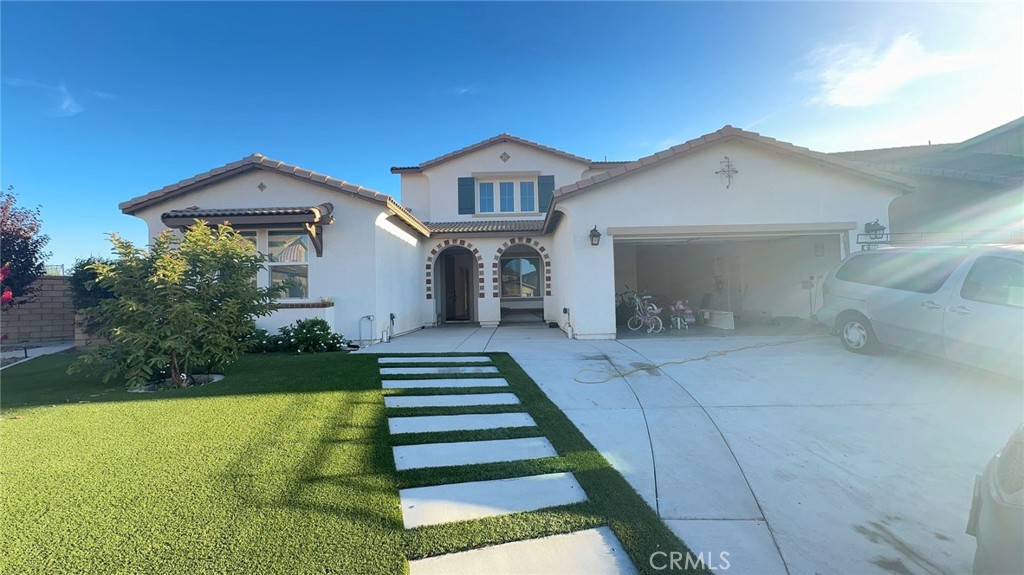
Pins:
x,y
786,453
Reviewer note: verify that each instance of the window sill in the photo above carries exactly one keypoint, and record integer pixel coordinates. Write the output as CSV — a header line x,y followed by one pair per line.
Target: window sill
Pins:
x,y
500,215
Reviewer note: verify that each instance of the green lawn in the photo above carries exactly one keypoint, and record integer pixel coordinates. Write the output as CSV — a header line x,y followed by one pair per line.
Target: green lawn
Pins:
x,y
283,467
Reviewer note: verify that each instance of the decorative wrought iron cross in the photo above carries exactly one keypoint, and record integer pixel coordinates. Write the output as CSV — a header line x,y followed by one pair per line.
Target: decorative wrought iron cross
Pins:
x,y
726,171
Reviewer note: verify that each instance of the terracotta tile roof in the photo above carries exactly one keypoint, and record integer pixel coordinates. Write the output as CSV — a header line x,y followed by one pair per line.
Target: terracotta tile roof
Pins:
x,y
997,169
260,162
499,139
969,160
726,133
485,226
229,212
319,215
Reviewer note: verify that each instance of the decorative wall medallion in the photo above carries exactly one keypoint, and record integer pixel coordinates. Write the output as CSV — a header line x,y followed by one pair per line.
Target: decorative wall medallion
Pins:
x,y
505,157
262,187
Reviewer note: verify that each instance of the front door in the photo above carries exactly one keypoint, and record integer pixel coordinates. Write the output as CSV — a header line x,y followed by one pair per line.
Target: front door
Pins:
x,y
458,286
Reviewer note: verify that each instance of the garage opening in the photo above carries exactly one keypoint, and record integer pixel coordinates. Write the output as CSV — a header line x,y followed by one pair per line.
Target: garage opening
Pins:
x,y
731,281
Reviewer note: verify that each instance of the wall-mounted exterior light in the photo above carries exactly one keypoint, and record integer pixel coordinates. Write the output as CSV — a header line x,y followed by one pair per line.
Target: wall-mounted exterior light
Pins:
x,y
874,230
595,237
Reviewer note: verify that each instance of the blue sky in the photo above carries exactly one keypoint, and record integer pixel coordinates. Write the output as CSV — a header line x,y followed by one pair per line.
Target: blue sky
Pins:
x,y
102,102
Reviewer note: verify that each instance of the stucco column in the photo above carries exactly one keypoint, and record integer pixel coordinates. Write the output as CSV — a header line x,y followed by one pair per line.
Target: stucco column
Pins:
x,y
594,288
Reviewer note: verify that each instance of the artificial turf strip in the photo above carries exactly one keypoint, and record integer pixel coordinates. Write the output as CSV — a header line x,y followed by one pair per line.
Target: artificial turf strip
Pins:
x,y
435,540
465,435
390,392
285,466
481,472
452,410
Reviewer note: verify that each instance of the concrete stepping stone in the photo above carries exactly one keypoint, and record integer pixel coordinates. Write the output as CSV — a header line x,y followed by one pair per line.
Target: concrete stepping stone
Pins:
x,y
437,370
426,359
471,452
590,552
467,422
473,500
451,400
450,382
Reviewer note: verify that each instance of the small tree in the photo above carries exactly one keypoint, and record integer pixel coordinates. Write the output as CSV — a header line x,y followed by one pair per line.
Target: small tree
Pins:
x,y
182,307
21,247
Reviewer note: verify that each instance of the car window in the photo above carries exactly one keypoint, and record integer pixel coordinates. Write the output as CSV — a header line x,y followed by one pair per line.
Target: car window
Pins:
x,y
995,280
922,272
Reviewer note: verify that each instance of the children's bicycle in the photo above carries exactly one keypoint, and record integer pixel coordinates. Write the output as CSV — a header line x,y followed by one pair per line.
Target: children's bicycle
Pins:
x,y
645,314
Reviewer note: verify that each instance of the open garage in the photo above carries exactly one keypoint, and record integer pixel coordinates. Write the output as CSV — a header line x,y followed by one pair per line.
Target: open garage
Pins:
x,y
754,276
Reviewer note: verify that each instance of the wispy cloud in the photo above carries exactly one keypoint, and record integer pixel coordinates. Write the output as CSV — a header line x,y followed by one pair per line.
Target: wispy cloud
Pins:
x,y
59,101
862,74
751,125
464,89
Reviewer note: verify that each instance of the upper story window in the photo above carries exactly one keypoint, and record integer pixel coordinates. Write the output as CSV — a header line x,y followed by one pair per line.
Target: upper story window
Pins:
x,y
513,196
521,194
486,202
527,197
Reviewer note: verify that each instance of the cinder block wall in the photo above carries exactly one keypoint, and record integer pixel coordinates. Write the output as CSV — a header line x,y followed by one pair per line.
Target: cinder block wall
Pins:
x,y
50,316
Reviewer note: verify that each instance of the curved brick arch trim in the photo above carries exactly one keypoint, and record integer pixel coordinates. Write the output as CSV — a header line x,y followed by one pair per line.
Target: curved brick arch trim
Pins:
x,y
545,254
440,247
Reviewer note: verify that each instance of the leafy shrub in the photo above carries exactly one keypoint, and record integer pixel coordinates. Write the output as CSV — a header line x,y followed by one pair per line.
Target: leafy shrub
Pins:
x,y
85,291
304,336
181,307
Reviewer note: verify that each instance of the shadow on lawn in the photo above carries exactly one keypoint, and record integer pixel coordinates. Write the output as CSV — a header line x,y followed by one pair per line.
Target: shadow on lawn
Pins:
x,y
44,381
346,469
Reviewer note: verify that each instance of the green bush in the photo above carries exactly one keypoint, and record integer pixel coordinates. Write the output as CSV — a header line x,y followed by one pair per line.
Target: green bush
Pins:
x,y
85,292
182,307
304,336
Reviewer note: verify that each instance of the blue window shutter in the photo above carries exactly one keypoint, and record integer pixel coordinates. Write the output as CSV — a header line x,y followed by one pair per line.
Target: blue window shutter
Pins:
x,y
467,195
545,189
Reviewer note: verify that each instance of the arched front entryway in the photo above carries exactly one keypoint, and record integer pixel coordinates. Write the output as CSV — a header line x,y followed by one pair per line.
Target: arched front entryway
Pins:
x,y
456,277
521,283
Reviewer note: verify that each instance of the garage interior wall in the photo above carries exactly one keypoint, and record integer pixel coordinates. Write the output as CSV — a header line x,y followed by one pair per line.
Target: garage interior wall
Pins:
x,y
756,279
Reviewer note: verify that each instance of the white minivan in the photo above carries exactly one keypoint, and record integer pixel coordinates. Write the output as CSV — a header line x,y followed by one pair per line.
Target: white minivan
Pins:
x,y
963,303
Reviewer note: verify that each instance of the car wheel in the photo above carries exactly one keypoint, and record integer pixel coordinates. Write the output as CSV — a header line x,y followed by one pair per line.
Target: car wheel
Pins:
x,y
856,334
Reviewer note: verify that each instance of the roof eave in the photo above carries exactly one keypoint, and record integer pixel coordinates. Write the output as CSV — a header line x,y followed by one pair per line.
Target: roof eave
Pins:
x,y
499,139
409,219
144,201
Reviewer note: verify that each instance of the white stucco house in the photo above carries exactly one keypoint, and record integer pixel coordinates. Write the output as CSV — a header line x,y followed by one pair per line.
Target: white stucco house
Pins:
x,y
505,230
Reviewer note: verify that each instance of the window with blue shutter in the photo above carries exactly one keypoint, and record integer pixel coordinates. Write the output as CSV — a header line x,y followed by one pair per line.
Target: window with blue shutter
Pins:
x,y
545,189
467,196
